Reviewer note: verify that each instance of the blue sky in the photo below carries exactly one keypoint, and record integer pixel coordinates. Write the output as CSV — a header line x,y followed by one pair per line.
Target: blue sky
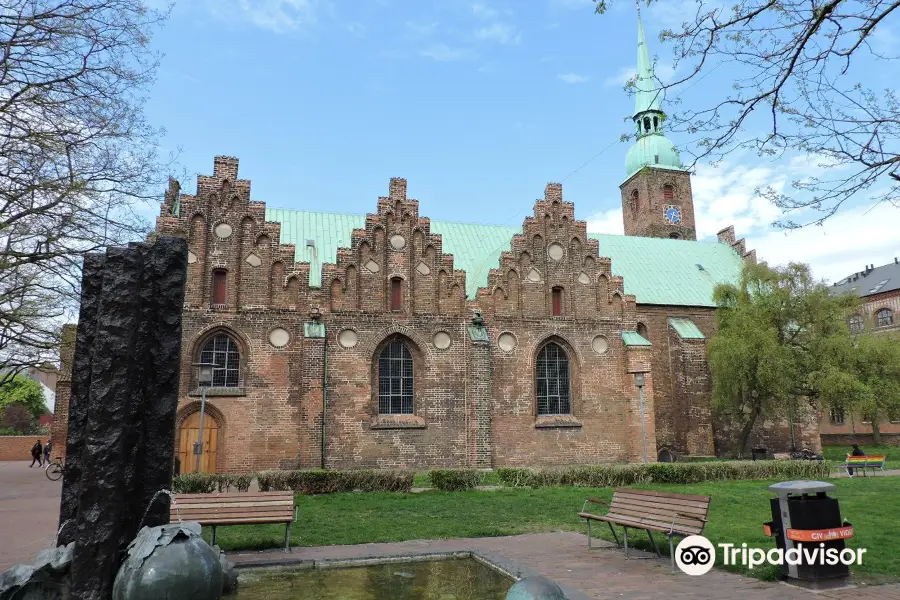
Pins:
x,y
478,104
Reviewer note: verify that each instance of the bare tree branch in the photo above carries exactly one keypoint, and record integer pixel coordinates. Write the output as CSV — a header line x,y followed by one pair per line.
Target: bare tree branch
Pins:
x,y
797,89
78,160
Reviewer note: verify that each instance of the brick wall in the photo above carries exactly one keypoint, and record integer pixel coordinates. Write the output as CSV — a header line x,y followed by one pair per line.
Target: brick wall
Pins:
x,y
18,447
474,400
863,439
644,214
60,425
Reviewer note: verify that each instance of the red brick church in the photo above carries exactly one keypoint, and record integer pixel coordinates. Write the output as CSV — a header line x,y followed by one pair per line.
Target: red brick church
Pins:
x,y
391,340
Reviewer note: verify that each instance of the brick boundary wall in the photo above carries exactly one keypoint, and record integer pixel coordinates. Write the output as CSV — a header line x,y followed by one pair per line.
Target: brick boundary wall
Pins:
x,y
18,447
863,439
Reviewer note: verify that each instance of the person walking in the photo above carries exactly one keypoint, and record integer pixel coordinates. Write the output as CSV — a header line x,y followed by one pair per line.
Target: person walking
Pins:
x,y
36,451
47,452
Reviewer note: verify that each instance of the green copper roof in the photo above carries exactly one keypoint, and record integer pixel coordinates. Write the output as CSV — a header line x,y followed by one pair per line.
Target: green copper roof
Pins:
x,y
646,95
686,329
656,271
654,150
633,338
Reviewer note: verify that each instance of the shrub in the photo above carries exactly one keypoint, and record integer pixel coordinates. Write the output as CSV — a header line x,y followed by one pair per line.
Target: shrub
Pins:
x,y
455,480
623,475
241,482
195,483
318,481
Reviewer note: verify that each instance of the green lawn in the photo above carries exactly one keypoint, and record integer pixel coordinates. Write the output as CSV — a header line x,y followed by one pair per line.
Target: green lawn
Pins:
x,y
839,453
737,512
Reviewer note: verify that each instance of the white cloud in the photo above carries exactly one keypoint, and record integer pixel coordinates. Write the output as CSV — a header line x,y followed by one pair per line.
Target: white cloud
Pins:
x,y
572,4
420,29
279,16
498,32
444,53
483,11
572,78
357,29
609,221
845,243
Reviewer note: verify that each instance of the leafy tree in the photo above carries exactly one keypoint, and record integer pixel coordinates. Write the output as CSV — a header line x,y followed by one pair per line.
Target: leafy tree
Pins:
x,y
868,380
797,69
776,327
17,418
23,391
76,155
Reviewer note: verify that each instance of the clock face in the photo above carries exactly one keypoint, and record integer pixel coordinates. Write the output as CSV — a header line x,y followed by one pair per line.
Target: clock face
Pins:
x,y
673,215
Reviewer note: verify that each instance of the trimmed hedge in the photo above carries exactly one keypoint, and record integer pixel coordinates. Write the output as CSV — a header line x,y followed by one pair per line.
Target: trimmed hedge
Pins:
x,y
455,480
316,482
622,475
207,483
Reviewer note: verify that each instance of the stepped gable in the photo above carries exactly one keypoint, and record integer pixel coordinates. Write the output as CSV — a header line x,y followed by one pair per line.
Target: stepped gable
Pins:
x,y
554,250
726,236
227,231
396,244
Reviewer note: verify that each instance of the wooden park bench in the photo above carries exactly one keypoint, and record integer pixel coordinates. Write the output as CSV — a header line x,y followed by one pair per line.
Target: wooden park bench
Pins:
x,y
670,514
862,463
241,508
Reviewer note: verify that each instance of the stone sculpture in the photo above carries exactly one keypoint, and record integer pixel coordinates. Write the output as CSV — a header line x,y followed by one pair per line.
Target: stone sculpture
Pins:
x,y
170,561
46,579
121,430
535,588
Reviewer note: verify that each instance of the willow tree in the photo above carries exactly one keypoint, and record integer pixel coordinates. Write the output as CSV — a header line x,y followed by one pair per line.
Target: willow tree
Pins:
x,y
776,328
867,383
808,79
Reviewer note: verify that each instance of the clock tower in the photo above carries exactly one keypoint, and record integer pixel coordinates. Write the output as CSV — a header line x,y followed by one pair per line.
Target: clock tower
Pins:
x,y
656,193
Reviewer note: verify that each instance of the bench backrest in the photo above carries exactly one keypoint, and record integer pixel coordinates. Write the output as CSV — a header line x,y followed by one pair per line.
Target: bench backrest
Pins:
x,y
661,509
235,508
865,461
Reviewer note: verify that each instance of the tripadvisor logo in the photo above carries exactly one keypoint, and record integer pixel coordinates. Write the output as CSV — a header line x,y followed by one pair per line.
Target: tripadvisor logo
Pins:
x,y
696,555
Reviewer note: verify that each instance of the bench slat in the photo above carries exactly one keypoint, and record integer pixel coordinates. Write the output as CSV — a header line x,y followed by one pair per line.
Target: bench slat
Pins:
x,y
638,525
191,498
644,503
629,513
240,509
227,516
235,504
669,502
242,521
671,496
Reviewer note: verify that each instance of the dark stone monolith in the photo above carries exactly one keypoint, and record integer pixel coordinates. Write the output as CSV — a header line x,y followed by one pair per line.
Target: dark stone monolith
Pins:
x,y
122,413
91,286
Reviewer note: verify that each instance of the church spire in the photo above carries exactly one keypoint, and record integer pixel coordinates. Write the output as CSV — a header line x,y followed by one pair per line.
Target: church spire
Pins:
x,y
646,96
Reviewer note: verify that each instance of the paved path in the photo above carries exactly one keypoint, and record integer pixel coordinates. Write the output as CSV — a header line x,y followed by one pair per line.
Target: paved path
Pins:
x,y
584,574
29,511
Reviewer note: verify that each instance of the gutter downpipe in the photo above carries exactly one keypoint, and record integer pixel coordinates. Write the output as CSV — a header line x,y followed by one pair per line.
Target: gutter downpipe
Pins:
x,y
324,390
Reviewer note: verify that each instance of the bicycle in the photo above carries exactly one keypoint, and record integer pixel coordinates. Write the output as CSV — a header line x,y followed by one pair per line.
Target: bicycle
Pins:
x,y
54,469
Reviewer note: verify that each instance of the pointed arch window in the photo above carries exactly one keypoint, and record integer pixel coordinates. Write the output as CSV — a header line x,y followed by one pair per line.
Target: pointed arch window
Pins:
x,y
552,378
395,379
223,351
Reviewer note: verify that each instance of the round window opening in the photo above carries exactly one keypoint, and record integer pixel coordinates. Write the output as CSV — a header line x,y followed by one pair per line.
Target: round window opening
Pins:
x,y
398,242
442,340
223,231
556,251
600,344
279,337
348,338
507,342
